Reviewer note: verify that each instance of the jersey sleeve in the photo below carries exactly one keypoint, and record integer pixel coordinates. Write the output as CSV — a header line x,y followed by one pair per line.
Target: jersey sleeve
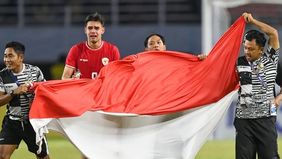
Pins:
x,y
40,76
273,54
116,53
72,57
2,88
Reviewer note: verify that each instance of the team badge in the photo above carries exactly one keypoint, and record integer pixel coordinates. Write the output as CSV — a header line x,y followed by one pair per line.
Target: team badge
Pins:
x,y
105,61
260,65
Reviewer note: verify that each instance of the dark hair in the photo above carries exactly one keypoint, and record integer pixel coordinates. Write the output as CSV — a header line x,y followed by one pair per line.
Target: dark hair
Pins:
x,y
95,17
258,36
154,34
17,46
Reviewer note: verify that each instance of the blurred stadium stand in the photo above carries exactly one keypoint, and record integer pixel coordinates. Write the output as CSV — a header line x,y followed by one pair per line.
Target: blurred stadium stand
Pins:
x,y
264,12
24,13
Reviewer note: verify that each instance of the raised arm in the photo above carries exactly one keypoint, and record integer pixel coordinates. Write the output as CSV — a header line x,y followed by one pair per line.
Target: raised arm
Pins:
x,y
271,32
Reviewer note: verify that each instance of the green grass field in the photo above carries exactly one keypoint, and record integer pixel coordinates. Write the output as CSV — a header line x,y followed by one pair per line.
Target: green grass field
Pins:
x,y
60,148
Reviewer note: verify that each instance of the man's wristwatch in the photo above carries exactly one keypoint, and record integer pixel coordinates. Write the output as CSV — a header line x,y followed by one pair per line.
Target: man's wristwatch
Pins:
x,y
12,94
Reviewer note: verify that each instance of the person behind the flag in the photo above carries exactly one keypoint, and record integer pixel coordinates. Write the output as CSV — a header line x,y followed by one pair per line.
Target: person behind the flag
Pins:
x,y
15,94
156,42
86,59
255,115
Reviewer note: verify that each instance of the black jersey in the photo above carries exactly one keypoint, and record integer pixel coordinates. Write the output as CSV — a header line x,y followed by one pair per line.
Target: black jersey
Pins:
x,y
18,107
257,81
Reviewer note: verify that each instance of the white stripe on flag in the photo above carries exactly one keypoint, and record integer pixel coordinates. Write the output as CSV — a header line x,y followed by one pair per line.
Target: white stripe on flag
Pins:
x,y
105,136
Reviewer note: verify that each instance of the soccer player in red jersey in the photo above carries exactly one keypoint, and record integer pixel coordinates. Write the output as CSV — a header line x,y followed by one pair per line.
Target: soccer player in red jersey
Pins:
x,y
86,59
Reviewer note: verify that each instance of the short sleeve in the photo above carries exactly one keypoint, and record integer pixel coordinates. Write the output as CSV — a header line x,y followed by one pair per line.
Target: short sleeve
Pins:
x,y
273,54
72,57
2,87
40,76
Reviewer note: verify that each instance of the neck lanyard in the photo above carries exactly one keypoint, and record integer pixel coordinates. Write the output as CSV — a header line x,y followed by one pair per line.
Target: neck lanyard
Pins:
x,y
260,78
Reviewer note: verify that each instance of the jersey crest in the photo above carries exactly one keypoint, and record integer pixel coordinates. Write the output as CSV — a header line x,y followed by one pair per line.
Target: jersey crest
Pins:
x,y
105,61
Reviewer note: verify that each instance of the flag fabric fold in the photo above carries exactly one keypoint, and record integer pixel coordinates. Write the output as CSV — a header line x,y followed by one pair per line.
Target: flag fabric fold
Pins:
x,y
142,85
147,83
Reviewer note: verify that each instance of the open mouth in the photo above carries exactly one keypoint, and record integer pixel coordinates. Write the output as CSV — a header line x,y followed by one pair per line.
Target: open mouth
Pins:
x,y
92,36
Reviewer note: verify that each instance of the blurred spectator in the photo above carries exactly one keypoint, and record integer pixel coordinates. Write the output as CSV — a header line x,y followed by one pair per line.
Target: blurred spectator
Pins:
x,y
56,70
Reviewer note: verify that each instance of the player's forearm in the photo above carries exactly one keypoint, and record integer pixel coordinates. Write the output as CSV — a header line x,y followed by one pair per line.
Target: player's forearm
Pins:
x,y
271,32
64,76
67,73
5,99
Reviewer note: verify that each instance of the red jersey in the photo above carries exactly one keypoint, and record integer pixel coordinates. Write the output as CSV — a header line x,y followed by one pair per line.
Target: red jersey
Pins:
x,y
90,61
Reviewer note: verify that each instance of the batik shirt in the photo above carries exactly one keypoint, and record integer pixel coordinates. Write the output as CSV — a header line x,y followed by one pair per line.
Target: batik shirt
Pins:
x,y
257,81
19,106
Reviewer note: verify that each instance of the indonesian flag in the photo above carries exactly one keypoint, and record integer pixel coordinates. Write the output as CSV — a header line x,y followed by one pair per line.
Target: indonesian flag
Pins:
x,y
150,105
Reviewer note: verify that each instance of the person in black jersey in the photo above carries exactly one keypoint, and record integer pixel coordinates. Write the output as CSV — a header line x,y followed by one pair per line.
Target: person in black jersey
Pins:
x,y
255,115
15,94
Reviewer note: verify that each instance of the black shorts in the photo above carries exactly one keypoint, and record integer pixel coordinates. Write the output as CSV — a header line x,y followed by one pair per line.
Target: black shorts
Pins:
x,y
13,131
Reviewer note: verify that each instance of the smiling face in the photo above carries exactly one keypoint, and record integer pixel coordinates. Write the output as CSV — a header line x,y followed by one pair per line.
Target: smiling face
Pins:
x,y
252,50
155,43
13,60
94,31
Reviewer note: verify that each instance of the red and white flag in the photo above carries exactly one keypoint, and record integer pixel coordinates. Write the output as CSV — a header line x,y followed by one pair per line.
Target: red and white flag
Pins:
x,y
148,105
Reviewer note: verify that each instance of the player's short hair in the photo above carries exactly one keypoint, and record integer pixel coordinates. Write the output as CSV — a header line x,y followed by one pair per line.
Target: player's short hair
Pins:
x,y
257,35
94,17
17,46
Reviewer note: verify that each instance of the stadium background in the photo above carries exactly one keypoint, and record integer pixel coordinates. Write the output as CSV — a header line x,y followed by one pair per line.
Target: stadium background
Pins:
x,y
50,28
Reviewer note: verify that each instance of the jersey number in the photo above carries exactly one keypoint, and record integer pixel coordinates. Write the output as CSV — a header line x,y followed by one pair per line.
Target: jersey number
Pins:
x,y
94,75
